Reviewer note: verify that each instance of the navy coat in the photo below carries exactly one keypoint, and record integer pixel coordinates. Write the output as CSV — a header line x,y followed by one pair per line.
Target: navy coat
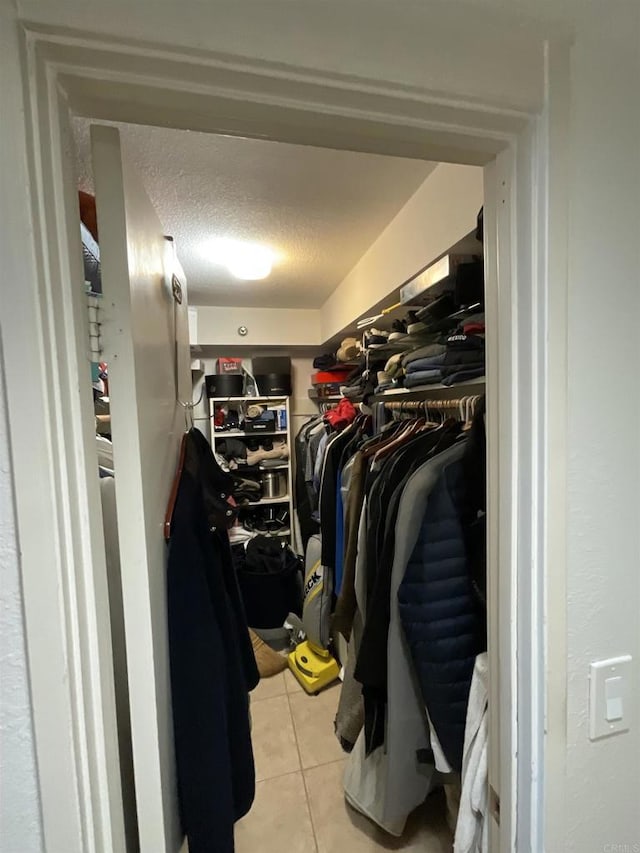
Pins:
x,y
212,662
440,613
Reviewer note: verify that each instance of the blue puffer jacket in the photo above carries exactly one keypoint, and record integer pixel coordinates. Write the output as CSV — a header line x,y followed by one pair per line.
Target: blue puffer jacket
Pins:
x,y
440,614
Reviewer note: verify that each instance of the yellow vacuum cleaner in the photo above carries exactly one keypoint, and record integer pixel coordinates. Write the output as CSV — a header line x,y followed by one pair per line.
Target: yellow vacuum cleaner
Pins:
x,y
311,662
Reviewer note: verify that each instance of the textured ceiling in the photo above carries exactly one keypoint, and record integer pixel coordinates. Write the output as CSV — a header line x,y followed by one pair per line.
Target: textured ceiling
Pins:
x,y
319,209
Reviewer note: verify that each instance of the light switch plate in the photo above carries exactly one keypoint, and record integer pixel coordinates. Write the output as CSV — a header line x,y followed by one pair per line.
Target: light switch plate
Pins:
x,y
610,697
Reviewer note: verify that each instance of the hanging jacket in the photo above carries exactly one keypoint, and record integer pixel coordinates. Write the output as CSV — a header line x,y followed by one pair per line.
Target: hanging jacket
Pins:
x,y
212,662
389,783
440,614
371,667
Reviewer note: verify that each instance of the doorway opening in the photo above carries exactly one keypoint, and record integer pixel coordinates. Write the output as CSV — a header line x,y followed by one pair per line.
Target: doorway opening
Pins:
x,y
496,151
331,218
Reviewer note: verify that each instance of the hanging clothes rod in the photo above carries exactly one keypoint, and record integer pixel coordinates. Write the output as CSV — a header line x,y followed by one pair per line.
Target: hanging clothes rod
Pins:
x,y
463,407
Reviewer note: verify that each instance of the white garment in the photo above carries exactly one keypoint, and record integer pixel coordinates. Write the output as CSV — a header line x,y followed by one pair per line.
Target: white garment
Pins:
x,y
472,829
439,757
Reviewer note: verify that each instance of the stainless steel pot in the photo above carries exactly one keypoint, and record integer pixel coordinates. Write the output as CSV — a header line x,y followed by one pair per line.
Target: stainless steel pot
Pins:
x,y
274,484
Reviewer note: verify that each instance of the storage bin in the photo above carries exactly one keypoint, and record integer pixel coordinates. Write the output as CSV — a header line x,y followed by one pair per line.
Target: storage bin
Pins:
x,y
224,384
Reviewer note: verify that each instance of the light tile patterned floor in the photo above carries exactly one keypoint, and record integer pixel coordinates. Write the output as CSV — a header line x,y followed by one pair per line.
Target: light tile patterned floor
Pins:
x,y
299,805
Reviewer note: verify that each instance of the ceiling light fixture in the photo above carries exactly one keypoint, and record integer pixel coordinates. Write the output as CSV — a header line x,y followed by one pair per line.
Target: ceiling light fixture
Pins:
x,y
244,260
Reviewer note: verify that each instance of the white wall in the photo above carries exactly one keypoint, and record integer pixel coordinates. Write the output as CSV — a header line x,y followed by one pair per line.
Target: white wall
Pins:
x,y
441,211
20,822
486,55
266,326
603,534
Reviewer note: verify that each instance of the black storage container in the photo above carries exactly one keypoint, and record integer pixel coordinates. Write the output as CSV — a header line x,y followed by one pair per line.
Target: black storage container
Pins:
x,y
224,384
273,375
267,423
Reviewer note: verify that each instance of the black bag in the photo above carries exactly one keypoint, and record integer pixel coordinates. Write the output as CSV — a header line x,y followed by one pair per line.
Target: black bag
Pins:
x,y
270,579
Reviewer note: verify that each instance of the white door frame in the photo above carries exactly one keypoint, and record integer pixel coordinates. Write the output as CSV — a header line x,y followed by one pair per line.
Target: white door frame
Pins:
x,y
67,635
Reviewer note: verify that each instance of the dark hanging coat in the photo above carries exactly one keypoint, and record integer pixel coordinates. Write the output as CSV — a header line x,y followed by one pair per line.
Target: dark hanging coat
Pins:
x,y
212,662
442,619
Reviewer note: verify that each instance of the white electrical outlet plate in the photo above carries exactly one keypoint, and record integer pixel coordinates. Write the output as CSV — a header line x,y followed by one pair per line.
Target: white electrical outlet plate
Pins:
x,y
610,697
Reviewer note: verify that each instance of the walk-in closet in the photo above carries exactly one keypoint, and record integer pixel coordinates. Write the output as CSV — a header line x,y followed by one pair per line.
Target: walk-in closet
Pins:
x,y
287,348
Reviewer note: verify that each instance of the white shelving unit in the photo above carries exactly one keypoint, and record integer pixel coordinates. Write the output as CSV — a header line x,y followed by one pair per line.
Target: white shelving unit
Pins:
x,y
277,434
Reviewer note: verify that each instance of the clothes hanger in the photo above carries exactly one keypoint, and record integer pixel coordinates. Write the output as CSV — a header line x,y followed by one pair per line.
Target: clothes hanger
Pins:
x,y
173,495
429,422
413,427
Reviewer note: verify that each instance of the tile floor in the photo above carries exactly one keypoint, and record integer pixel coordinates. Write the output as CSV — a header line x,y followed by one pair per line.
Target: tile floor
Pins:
x,y
299,805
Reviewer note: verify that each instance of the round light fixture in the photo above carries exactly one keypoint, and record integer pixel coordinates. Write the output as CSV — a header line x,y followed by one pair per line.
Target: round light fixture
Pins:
x,y
244,260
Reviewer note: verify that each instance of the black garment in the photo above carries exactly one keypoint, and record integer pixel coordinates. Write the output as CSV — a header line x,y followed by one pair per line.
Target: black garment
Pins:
x,y
232,448
246,488
333,454
305,502
384,500
473,512
324,361
460,341
270,576
438,309
443,624
464,359
480,225
464,375
212,662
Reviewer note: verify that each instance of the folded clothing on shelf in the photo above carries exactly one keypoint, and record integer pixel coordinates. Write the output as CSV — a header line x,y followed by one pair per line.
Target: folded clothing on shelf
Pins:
x,y
462,341
423,377
279,450
462,359
242,454
434,362
352,392
231,448
387,386
422,352
464,375
393,367
246,488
